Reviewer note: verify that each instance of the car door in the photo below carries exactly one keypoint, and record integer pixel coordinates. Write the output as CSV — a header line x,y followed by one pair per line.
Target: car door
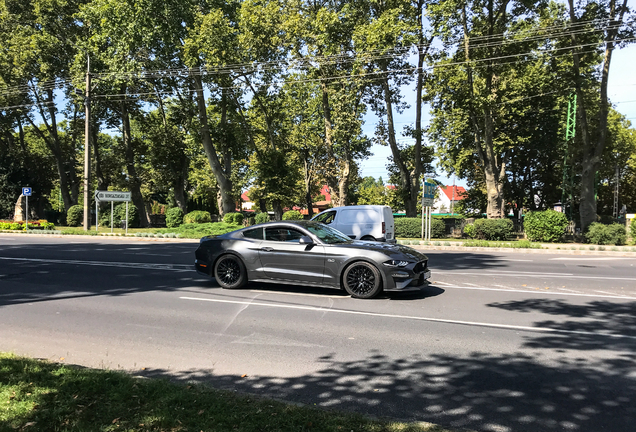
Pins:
x,y
284,257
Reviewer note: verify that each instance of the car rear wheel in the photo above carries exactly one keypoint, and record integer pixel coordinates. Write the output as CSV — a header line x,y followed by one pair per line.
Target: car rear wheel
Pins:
x,y
362,280
229,272
368,238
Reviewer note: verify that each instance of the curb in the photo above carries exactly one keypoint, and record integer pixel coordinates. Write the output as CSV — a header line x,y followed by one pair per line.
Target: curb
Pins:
x,y
546,249
100,237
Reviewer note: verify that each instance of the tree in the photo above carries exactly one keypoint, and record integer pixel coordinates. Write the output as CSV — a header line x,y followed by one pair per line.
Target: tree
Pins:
x,y
593,146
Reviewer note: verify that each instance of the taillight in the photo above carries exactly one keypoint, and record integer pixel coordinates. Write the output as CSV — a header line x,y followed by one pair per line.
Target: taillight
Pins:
x,y
383,227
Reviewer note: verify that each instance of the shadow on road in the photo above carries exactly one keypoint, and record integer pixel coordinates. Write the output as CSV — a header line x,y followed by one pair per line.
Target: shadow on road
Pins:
x,y
580,324
481,392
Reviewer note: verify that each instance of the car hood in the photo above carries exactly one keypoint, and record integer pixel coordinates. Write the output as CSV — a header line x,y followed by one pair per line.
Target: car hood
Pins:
x,y
395,251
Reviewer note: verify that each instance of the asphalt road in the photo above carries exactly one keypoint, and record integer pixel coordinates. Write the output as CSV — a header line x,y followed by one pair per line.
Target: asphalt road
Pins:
x,y
499,342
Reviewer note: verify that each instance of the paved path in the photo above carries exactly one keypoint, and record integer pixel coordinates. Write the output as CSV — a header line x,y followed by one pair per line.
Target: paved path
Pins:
x,y
500,341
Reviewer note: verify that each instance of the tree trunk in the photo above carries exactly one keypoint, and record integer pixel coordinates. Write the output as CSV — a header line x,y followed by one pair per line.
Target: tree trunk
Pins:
x,y
405,176
278,209
308,180
135,184
102,181
226,202
180,185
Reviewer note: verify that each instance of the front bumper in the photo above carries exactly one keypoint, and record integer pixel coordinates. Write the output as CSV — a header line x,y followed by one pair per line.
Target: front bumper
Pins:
x,y
410,278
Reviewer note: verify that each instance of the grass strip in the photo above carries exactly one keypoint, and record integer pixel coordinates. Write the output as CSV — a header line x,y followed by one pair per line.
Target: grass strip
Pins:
x,y
39,395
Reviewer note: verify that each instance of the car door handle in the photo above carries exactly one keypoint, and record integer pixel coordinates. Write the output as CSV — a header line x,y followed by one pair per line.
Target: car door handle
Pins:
x,y
267,249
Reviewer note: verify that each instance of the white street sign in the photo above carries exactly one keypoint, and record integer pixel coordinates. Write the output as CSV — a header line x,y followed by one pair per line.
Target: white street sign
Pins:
x,y
113,196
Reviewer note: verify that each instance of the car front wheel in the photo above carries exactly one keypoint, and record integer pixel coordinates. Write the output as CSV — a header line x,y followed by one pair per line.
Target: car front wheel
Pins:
x,y
229,272
362,280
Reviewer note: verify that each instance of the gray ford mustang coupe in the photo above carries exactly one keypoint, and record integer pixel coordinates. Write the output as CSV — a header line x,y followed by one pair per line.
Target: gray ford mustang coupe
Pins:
x,y
310,253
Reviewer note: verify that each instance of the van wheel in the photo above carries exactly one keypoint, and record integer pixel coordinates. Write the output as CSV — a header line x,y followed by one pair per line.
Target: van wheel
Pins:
x,y
368,238
362,280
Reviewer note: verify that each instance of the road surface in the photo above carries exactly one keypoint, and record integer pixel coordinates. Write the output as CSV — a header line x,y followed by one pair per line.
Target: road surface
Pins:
x,y
499,342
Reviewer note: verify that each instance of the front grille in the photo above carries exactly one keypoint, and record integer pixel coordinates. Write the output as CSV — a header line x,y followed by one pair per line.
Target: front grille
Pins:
x,y
420,267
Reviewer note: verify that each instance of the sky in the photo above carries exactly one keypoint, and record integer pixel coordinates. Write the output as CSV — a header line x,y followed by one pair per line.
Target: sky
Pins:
x,y
621,91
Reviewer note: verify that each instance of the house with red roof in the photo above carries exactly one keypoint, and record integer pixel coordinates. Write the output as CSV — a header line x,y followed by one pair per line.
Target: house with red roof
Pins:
x,y
447,197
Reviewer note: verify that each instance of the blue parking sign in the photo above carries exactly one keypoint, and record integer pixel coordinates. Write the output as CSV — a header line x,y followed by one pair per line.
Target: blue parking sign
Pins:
x,y
26,191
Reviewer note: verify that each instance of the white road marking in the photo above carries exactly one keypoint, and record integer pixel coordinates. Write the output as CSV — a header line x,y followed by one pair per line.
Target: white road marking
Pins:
x,y
590,259
542,292
146,266
407,317
534,275
604,292
501,286
574,291
471,284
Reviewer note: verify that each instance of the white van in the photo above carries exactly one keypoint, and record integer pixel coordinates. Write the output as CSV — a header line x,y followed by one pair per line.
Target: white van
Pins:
x,y
361,222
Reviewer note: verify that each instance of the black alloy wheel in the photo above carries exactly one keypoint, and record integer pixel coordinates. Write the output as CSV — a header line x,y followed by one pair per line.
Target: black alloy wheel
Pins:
x,y
362,280
229,272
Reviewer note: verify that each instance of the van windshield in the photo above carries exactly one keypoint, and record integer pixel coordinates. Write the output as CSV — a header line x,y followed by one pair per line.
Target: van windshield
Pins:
x,y
327,234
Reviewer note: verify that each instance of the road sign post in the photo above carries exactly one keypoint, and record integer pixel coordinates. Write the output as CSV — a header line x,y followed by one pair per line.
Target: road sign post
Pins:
x,y
428,200
112,196
26,191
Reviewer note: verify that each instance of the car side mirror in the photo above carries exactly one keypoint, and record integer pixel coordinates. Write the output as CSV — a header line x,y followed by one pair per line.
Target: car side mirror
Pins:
x,y
306,240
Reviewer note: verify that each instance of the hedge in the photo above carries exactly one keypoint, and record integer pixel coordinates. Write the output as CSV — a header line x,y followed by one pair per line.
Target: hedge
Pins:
x,y
233,218
174,217
601,234
545,226
119,215
292,215
632,228
75,216
197,216
261,218
493,229
412,228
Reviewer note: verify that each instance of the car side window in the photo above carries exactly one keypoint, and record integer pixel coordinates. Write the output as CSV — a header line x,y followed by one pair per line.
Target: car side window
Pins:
x,y
283,235
327,217
256,234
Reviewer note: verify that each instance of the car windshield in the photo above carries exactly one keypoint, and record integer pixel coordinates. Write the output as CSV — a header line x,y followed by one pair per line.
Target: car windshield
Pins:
x,y
327,234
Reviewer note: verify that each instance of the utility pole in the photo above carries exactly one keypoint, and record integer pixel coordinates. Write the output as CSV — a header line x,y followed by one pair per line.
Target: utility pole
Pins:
x,y
567,186
87,146
615,212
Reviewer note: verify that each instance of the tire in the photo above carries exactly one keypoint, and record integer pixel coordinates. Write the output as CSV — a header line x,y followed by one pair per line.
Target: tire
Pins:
x,y
368,238
229,272
362,280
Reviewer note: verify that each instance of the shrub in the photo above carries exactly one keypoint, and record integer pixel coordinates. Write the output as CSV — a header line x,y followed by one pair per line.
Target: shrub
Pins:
x,y
292,215
412,228
197,216
174,217
261,218
233,218
239,218
75,216
545,226
600,234
493,229
632,228
469,230
120,215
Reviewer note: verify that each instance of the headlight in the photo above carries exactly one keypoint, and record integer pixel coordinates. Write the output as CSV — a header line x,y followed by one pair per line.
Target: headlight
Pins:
x,y
396,263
